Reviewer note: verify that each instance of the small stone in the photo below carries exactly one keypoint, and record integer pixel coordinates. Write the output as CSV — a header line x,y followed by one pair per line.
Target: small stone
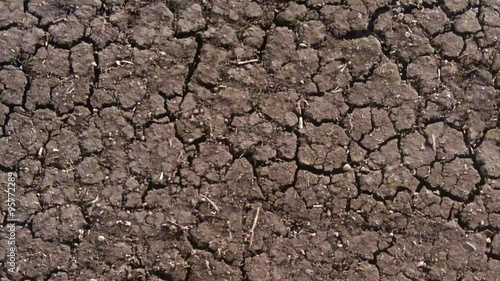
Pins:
x,y
101,238
421,264
364,170
347,168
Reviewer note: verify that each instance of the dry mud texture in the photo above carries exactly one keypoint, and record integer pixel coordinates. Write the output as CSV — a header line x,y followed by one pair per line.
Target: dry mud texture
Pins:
x,y
208,140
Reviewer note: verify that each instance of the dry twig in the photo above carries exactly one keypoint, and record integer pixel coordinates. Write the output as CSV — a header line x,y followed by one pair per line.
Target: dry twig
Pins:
x,y
247,61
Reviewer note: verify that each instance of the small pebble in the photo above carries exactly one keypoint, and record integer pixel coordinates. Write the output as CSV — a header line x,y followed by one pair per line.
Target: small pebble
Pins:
x,y
347,168
364,170
101,238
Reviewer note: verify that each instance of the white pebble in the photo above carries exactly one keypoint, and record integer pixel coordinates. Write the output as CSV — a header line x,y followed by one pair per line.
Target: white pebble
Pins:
x,y
347,168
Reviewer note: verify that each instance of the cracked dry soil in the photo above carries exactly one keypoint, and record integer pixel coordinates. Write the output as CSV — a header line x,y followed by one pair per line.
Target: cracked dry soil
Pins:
x,y
251,140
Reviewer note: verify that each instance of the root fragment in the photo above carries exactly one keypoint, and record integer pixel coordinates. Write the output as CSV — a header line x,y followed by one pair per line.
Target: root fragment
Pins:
x,y
216,208
254,225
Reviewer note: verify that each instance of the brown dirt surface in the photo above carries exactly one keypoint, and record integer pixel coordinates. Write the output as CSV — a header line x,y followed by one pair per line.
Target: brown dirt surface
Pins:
x,y
250,140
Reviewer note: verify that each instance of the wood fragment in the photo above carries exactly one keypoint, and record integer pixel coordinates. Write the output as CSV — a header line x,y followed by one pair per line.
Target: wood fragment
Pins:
x,y
171,222
247,61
